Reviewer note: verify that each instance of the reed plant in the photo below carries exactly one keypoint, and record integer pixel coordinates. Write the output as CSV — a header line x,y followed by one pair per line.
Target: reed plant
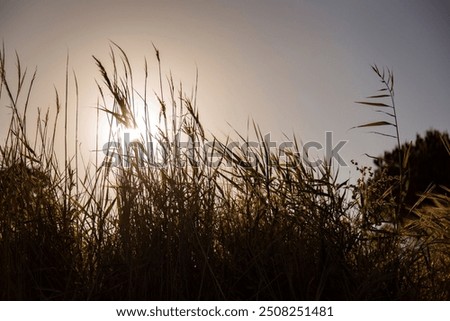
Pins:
x,y
207,221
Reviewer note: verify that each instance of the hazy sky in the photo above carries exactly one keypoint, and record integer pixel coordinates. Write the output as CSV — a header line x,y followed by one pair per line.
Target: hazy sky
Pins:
x,y
292,66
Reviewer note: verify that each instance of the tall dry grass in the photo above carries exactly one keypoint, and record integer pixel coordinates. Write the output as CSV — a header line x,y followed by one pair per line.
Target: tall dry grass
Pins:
x,y
251,225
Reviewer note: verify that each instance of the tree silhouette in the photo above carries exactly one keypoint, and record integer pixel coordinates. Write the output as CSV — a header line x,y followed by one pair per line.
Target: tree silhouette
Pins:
x,y
427,166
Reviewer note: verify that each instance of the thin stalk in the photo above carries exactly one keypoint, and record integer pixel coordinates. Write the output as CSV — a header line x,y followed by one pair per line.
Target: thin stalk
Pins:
x,y
66,165
76,131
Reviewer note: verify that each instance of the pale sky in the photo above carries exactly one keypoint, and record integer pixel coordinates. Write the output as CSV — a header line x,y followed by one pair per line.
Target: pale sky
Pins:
x,y
292,66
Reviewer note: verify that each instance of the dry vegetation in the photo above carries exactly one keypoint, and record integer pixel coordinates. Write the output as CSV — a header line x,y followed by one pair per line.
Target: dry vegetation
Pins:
x,y
254,226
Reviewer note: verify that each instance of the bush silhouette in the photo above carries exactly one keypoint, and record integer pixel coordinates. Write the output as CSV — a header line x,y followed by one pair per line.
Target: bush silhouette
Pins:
x,y
428,165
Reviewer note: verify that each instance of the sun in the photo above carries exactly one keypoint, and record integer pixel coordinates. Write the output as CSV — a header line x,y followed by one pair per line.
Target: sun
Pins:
x,y
114,139
146,122
142,124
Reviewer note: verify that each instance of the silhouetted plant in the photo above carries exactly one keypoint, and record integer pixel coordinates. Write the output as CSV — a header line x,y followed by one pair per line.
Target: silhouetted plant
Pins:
x,y
253,226
428,164
389,110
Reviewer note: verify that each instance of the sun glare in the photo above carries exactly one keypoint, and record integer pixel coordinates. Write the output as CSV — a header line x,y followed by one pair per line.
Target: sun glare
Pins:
x,y
115,137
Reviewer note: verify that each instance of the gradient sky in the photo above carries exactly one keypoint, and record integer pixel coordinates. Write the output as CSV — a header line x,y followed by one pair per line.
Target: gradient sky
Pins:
x,y
292,66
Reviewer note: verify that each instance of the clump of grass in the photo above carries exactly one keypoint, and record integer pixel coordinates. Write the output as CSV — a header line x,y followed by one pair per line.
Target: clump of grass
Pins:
x,y
212,220
40,257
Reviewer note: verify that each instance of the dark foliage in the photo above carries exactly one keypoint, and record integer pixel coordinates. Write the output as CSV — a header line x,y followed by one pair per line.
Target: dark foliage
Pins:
x,y
253,227
428,166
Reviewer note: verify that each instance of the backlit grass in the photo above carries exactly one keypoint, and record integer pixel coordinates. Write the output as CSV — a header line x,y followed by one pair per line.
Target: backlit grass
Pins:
x,y
249,226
